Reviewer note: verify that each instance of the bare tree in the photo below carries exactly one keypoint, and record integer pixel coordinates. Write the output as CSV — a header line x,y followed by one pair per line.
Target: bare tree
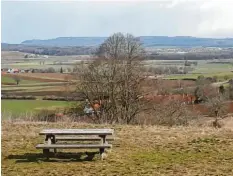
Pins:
x,y
113,79
17,79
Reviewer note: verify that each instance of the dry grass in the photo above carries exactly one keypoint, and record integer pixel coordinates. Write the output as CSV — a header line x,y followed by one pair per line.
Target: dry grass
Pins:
x,y
139,150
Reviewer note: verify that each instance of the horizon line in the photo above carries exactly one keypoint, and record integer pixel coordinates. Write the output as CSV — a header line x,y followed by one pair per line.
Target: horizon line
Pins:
x,y
124,33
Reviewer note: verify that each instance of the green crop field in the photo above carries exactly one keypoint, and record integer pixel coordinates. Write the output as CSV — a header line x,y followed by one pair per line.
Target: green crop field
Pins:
x,y
212,68
221,76
26,106
7,79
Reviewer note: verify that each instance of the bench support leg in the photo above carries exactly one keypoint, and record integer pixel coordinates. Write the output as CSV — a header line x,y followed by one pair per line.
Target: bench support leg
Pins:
x,y
53,140
46,153
103,141
50,139
101,153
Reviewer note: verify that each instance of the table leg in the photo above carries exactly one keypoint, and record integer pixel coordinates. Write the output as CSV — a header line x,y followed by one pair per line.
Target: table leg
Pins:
x,y
50,139
46,151
103,141
53,141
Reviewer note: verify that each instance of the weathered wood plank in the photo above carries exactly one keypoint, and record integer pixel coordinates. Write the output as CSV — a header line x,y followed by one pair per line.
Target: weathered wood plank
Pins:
x,y
70,138
77,132
73,146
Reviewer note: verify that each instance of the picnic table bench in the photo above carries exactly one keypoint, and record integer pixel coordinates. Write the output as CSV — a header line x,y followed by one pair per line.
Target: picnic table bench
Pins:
x,y
53,136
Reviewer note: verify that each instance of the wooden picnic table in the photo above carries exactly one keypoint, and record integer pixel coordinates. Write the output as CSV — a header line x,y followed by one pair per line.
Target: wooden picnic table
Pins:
x,y
53,135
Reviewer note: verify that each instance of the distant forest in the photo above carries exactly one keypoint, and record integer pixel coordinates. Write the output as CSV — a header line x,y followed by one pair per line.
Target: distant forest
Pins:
x,y
88,50
49,50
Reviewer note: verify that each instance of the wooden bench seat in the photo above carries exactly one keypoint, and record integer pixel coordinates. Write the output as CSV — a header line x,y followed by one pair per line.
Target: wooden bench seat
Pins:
x,y
73,146
70,138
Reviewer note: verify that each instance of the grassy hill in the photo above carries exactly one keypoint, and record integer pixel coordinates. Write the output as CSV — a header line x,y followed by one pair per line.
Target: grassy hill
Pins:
x,y
137,151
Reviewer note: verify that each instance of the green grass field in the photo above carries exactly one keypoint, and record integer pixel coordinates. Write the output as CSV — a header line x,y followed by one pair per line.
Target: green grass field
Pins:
x,y
6,79
220,76
212,68
27,106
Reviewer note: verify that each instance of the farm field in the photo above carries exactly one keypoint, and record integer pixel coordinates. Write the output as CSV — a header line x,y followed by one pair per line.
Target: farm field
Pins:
x,y
213,68
36,82
44,89
9,79
17,107
37,66
12,59
45,77
223,71
138,150
220,75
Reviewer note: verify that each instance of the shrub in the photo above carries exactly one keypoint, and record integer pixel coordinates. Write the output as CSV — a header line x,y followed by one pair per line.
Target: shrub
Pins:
x,y
55,98
49,115
30,97
14,97
189,79
172,113
75,109
226,77
50,70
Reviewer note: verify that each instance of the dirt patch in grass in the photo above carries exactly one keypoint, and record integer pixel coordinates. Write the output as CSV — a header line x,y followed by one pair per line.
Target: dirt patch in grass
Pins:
x,y
137,151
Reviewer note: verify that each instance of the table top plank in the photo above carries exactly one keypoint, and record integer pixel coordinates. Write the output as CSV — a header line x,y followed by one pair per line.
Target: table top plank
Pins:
x,y
77,132
72,146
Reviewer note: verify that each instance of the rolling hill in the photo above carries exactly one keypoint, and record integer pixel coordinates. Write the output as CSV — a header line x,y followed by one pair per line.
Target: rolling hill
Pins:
x,y
147,41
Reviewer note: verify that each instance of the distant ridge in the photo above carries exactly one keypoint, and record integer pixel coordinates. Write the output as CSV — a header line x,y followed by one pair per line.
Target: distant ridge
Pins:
x,y
147,41
67,41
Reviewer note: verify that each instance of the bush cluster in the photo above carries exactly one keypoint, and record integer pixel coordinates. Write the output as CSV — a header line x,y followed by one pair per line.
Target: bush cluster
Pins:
x,y
17,97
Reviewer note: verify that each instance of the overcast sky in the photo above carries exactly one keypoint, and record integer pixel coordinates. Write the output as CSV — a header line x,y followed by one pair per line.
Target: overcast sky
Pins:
x,y
23,20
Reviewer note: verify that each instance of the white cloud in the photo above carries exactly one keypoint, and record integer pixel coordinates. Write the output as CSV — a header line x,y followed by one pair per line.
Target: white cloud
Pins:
x,y
217,18
48,19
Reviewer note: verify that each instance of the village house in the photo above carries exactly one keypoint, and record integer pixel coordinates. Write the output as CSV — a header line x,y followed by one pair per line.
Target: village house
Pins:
x,y
13,70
